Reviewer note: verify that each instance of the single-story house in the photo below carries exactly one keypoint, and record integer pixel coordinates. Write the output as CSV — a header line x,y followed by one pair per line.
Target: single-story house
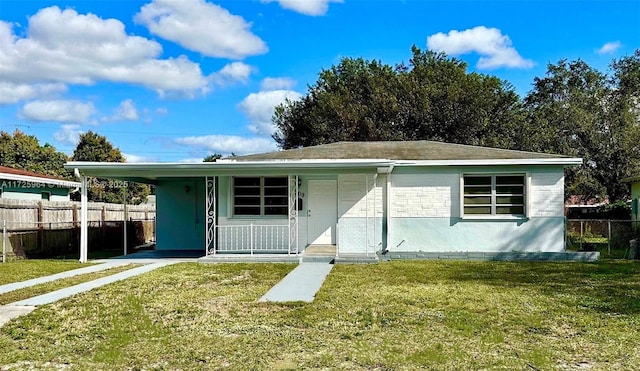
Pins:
x,y
27,185
362,197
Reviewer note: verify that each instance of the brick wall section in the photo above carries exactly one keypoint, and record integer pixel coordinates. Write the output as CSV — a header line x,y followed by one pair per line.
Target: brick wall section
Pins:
x,y
424,195
437,195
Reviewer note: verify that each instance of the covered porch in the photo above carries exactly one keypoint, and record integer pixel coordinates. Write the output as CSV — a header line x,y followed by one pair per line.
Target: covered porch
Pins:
x,y
258,209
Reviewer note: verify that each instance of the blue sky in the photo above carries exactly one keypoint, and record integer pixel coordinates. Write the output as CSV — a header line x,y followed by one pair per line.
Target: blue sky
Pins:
x,y
175,80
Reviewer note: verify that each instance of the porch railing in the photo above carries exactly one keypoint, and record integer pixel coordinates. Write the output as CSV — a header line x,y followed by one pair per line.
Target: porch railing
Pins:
x,y
252,238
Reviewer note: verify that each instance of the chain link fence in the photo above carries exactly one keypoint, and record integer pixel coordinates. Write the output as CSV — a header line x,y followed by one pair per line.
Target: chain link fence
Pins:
x,y
614,239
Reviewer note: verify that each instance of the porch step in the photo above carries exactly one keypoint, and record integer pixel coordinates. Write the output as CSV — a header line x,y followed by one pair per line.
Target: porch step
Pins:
x,y
317,258
245,258
319,254
356,259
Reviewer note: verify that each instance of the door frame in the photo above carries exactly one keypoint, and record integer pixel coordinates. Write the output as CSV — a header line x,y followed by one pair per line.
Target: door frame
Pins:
x,y
334,227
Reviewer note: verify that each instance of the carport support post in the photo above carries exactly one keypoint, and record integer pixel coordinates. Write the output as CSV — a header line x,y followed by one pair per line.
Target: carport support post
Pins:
x,y
83,221
124,225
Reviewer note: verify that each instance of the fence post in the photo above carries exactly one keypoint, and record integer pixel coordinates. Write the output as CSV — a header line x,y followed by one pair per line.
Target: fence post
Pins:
x,y
4,240
40,221
74,223
609,237
251,238
103,226
581,236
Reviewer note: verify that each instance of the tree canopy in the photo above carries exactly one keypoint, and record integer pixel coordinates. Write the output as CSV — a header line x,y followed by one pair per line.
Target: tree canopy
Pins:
x,y
433,98
573,110
22,151
212,158
578,111
96,148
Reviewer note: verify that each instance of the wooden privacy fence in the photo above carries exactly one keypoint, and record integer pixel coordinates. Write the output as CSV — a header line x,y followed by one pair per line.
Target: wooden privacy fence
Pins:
x,y
52,228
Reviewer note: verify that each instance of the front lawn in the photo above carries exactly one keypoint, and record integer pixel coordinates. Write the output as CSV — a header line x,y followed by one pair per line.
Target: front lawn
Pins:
x,y
398,315
43,288
22,270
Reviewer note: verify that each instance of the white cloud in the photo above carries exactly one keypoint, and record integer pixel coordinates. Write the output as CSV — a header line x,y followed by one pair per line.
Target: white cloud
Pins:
x,y
609,47
496,49
230,73
65,47
201,26
259,108
276,83
191,160
11,93
225,144
307,7
69,111
68,134
135,158
126,111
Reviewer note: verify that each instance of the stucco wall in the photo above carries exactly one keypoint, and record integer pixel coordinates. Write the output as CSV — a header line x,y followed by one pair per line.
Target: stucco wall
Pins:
x,y
180,214
425,213
56,193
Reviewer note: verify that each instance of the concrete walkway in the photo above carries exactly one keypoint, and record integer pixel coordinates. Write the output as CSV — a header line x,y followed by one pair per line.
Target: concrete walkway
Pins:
x,y
22,307
66,274
301,284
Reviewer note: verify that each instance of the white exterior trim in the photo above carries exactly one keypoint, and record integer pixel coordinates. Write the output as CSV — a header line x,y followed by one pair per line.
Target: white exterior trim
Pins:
x,y
532,161
88,167
40,180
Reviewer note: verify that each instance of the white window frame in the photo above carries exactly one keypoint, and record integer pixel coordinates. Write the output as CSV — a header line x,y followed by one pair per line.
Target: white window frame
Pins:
x,y
262,196
526,195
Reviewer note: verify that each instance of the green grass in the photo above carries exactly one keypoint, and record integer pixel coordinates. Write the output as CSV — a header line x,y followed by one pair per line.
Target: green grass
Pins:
x,y
21,270
398,315
44,288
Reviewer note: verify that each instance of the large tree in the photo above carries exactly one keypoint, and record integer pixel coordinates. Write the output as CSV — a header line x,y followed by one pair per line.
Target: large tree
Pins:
x,y
434,98
578,111
22,151
573,110
96,148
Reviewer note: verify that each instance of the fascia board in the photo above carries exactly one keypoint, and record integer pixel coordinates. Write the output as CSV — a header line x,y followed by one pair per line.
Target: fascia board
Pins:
x,y
180,169
496,162
39,180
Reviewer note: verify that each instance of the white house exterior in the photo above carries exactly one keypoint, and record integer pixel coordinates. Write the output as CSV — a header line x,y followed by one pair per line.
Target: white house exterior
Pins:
x,y
366,198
